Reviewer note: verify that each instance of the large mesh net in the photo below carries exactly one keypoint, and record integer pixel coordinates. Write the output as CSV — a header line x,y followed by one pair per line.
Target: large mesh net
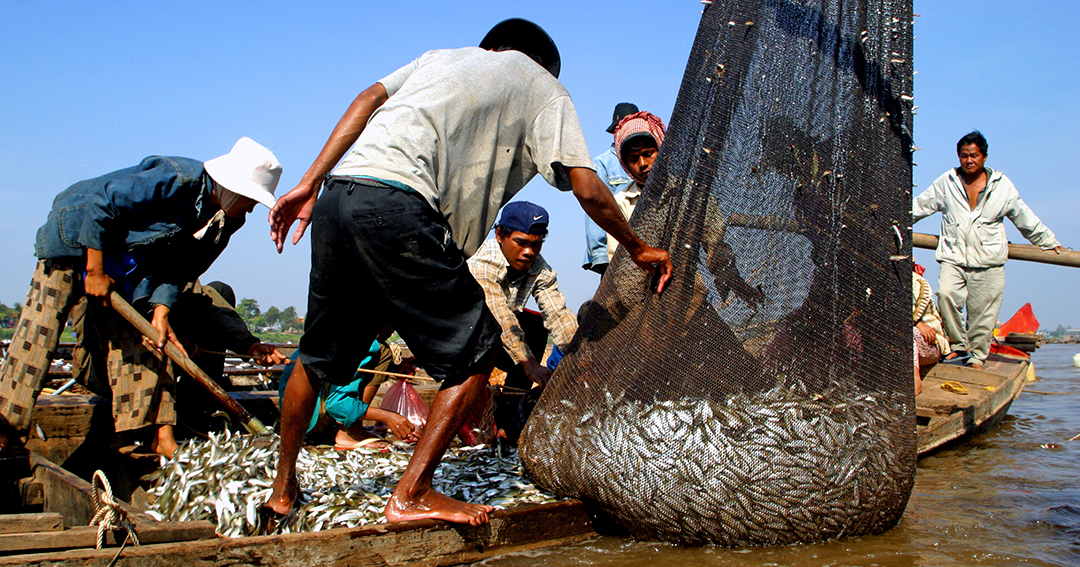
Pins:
x,y
766,396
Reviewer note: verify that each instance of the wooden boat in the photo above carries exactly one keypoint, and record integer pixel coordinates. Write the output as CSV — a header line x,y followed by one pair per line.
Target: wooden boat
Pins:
x,y
946,417
75,431
65,501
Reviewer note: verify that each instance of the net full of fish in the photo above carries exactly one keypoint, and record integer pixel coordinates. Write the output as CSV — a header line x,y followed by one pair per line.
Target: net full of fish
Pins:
x,y
226,478
772,468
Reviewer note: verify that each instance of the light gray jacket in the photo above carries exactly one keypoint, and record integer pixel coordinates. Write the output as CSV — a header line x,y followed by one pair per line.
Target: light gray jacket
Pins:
x,y
978,240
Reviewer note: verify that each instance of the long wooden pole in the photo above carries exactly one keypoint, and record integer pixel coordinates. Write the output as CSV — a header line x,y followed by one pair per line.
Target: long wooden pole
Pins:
x,y
1027,252
251,423
367,370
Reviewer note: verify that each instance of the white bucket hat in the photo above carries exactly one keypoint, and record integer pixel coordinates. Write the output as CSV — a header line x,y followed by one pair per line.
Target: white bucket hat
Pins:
x,y
248,169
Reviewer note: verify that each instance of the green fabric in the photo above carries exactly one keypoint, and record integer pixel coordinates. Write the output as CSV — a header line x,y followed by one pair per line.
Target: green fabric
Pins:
x,y
344,404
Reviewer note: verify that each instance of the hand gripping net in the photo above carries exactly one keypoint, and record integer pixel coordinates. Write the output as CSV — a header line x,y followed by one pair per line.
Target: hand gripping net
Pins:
x,y
766,397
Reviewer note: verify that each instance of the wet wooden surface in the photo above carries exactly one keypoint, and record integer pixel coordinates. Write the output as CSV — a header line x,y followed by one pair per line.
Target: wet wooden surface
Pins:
x,y
422,542
946,417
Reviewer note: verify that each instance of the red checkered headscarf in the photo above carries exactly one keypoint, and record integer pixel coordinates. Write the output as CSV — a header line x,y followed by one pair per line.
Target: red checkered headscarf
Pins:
x,y
634,125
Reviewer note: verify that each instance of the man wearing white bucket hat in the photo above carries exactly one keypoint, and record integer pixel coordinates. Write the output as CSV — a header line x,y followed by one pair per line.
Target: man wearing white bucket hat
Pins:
x,y
147,231
440,146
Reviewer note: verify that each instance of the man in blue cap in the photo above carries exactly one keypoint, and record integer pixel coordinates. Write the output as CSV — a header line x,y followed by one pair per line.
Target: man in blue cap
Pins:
x,y
510,269
428,155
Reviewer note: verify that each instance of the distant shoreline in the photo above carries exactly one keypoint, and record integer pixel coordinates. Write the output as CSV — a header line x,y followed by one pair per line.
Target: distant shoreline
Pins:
x,y
1061,341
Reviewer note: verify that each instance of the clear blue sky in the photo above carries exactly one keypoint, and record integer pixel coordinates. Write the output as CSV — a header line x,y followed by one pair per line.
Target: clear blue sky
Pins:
x,y
91,87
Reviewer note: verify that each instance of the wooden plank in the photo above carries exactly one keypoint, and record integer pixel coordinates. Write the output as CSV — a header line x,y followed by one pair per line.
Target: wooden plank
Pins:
x,y
966,375
933,412
31,492
25,523
981,410
69,415
71,496
86,536
423,542
1023,338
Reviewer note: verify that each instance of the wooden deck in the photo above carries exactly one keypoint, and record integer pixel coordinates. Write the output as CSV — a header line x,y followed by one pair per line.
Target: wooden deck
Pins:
x,y
423,542
946,418
75,430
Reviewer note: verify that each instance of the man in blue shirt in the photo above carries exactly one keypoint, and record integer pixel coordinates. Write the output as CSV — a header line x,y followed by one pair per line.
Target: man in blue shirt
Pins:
x,y
147,231
612,174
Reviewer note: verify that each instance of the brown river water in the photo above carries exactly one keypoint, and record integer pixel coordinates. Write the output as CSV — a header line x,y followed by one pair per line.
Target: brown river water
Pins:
x,y
1008,497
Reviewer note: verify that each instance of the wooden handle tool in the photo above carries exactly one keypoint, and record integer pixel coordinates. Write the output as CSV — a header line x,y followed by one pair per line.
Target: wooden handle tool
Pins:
x,y
251,423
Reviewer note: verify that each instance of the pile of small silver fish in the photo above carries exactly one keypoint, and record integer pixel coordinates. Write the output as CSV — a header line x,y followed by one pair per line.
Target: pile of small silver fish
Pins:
x,y
226,479
772,468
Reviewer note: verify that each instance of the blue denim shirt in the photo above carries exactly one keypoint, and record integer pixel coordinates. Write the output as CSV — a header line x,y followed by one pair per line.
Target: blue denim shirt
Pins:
x,y
611,172
142,218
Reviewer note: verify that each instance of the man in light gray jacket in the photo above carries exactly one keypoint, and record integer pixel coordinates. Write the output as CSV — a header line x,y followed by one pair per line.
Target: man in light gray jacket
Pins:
x,y
973,200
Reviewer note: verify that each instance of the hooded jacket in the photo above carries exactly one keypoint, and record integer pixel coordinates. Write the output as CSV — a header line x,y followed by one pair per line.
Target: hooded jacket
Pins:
x,y
976,239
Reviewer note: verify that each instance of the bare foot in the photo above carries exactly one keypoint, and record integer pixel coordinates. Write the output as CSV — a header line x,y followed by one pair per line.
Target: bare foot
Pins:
x,y
435,505
977,366
283,499
952,355
355,437
164,443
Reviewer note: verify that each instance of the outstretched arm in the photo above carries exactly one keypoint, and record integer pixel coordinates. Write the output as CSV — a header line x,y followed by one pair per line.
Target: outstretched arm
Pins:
x,y
598,203
298,203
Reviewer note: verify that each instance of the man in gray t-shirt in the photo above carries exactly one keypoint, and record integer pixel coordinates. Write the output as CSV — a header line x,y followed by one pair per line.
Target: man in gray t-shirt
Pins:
x,y
437,148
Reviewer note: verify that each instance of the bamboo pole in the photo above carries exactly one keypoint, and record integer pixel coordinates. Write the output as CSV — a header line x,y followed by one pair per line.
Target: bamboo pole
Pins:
x,y
367,370
251,423
1026,252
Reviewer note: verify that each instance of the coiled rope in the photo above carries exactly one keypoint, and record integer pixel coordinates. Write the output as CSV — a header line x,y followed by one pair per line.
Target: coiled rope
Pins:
x,y
109,515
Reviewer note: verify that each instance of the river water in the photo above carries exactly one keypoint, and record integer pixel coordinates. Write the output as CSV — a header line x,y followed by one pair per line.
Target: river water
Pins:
x,y
1008,497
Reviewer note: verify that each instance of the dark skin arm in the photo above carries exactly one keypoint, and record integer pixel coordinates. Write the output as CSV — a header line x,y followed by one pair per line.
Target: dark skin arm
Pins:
x,y
298,203
98,284
596,199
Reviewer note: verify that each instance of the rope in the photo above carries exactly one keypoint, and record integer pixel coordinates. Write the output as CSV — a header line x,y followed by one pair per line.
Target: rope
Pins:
x,y
109,515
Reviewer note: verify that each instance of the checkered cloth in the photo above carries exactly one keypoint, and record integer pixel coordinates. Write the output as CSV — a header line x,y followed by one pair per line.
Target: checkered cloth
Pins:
x,y
140,379
634,124
141,383
506,297
55,287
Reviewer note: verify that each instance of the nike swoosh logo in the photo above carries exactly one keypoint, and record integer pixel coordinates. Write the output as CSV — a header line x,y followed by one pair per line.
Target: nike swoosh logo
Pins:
x,y
538,218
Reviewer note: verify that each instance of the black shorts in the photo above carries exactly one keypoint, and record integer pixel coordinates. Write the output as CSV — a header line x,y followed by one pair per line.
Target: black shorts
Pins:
x,y
382,255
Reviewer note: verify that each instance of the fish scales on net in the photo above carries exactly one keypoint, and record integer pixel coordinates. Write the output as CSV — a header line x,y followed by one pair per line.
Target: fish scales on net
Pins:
x,y
773,468
226,478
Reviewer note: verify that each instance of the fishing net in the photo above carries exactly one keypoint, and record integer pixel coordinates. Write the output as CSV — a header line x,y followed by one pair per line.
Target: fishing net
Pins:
x,y
766,396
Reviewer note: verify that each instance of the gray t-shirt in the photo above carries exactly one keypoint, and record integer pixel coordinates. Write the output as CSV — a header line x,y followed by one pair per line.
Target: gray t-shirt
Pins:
x,y
467,129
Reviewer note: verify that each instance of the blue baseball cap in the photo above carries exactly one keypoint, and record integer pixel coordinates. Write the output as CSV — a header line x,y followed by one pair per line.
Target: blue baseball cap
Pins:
x,y
524,216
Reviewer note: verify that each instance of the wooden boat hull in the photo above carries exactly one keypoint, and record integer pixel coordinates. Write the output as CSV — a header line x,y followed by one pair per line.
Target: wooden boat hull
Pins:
x,y
947,418
422,542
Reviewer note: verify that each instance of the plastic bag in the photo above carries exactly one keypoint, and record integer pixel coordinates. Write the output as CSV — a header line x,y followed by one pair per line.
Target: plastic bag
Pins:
x,y
403,399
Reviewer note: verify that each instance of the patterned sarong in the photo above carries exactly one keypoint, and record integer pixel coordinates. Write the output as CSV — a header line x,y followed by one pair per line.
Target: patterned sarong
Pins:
x,y
55,287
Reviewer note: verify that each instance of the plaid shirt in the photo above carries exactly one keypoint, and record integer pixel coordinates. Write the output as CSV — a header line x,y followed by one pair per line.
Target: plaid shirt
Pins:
x,y
506,297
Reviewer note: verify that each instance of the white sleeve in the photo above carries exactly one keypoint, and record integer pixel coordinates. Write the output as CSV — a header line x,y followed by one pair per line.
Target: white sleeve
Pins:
x,y
929,202
393,81
555,142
